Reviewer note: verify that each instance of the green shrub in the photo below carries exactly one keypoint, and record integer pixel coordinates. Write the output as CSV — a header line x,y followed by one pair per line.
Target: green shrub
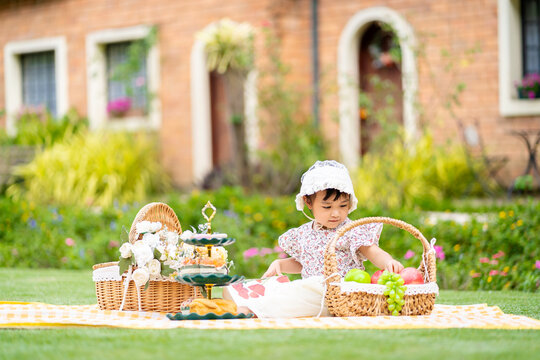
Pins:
x,y
37,236
500,254
94,169
72,237
422,176
39,128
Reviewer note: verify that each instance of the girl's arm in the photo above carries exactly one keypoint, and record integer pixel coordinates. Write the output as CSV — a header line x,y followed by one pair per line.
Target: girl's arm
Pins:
x,y
381,258
289,266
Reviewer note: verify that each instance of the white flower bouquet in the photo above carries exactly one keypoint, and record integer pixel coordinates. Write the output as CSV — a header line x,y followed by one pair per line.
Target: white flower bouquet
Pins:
x,y
154,255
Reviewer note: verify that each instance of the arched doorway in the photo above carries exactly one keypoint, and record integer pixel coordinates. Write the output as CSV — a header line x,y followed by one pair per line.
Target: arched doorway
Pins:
x,y
349,77
207,140
380,99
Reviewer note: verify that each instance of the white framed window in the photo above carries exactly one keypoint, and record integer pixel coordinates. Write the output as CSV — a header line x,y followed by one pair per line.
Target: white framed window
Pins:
x,y
105,50
516,50
35,75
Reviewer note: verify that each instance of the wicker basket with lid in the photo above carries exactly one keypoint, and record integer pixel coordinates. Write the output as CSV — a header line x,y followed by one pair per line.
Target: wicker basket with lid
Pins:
x,y
161,295
346,299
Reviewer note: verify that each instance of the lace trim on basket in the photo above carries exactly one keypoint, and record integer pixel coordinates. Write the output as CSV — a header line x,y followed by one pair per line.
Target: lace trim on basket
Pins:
x,y
376,289
110,273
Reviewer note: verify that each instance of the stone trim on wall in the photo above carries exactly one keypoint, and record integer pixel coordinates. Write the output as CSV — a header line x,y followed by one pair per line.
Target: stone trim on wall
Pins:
x,y
13,74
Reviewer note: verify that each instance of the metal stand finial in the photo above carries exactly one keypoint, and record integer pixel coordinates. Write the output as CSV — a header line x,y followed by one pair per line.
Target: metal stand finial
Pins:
x,y
209,218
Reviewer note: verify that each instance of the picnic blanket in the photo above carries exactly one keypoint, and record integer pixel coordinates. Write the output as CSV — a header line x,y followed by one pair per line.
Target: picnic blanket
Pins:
x,y
32,315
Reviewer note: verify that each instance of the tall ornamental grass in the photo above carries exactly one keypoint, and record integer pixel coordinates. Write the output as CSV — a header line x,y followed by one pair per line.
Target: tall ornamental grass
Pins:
x,y
94,169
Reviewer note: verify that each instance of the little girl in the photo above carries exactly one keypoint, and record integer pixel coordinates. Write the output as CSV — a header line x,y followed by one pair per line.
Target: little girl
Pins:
x,y
327,191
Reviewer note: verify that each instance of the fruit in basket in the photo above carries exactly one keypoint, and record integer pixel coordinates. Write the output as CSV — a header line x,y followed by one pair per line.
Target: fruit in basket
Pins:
x,y
395,290
358,275
412,275
376,275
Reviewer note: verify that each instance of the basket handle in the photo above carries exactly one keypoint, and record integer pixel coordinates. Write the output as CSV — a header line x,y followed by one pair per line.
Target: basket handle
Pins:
x,y
155,211
427,267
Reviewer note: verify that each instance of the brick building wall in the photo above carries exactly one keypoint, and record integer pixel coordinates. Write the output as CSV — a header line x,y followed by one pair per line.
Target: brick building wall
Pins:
x,y
453,26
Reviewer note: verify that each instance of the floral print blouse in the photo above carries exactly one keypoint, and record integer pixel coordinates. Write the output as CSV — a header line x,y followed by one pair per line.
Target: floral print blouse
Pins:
x,y
307,246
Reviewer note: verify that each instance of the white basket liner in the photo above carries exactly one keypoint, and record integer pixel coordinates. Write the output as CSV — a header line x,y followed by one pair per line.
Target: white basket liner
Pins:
x,y
376,289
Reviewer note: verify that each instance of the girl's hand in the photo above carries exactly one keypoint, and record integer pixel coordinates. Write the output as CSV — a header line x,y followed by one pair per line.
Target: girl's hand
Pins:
x,y
393,266
273,270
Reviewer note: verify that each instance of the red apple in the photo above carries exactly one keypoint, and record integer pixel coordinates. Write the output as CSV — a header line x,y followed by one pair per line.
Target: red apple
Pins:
x,y
412,275
375,277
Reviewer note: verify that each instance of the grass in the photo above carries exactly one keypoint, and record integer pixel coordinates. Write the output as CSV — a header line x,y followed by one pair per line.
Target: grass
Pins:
x,y
76,287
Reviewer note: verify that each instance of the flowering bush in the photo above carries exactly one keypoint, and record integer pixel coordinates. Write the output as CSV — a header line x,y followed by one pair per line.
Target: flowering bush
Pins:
x,y
119,107
529,88
37,127
155,254
504,248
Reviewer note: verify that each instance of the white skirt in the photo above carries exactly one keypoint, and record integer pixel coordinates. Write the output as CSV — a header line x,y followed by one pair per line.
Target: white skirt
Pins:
x,y
272,298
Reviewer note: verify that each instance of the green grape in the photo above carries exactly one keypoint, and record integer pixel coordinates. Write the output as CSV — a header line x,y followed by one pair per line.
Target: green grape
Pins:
x,y
394,291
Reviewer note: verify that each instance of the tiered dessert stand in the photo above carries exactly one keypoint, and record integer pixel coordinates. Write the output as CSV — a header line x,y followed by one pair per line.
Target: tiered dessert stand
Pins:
x,y
208,281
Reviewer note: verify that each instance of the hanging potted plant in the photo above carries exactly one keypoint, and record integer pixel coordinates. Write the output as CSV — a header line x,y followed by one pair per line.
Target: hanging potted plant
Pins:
x,y
529,87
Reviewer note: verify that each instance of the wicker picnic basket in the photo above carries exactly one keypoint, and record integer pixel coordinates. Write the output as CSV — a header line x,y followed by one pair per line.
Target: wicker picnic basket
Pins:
x,y
353,299
161,295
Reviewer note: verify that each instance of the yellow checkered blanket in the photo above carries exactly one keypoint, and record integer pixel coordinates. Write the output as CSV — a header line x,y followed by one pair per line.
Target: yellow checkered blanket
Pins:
x,y
481,316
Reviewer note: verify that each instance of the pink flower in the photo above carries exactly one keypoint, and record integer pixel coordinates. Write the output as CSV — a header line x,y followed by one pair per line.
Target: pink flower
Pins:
x,y
140,81
493,272
113,244
537,264
409,254
266,251
483,260
497,255
531,94
503,273
119,106
282,256
249,253
439,253
70,242
494,262
475,275
278,249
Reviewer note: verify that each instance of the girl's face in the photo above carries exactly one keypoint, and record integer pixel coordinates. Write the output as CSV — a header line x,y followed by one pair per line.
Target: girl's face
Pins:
x,y
329,213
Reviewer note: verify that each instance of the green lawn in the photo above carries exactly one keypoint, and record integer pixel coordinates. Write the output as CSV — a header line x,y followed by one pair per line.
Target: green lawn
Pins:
x,y
76,287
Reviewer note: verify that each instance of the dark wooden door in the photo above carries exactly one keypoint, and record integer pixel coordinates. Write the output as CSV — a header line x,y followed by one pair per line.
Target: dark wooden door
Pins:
x,y
380,83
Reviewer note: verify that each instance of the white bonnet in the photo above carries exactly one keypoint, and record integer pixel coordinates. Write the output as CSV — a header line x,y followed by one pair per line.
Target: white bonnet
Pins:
x,y
322,175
